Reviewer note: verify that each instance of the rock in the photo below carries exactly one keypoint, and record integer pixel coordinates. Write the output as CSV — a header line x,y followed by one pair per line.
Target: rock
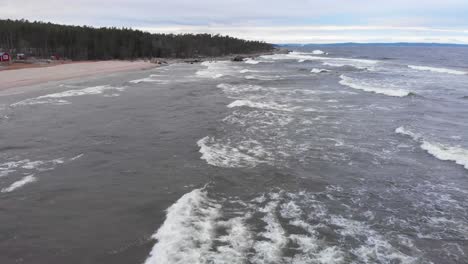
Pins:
x,y
193,61
238,58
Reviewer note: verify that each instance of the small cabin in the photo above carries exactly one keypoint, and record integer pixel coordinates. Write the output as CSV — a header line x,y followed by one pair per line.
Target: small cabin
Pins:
x,y
20,56
5,57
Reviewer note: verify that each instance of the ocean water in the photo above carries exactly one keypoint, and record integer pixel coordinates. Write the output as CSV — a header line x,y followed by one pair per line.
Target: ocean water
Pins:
x,y
323,155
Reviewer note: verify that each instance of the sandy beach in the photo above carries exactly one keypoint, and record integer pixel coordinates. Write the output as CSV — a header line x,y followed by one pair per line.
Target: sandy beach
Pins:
x,y
31,76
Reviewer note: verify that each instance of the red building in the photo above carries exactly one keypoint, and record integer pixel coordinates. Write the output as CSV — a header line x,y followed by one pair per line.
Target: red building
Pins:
x,y
4,57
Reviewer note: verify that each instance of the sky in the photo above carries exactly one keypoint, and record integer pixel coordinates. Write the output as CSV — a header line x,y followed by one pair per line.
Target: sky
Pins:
x,y
273,21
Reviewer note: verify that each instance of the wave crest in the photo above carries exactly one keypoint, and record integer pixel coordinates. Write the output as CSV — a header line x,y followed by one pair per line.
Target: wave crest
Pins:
x,y
443,152
437,70
360,85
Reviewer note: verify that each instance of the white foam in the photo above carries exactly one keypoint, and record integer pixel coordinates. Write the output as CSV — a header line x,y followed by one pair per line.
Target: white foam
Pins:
x,y
186,235
215,70
55,97
448,153
360,85
375,248
318,52
18,184
26,164
315,70
358,64
443,152
261,119
334,62
263,77
404,131
224,155
269,250
237,90
251,61
143,80
237,242
331,64
34,101
77,157
42,165
437,70
260,105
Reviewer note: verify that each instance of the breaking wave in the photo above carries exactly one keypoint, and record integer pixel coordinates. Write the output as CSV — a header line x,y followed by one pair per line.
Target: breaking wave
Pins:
x,y
251,61
55,98
188,233
333,62
318,52
217,69
438,70
315,70
274,227
443,152
263,77
222,154
260,105
360,85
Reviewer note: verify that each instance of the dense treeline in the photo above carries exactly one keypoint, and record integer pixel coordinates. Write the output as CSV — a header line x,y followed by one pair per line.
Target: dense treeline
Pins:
x,y
87,43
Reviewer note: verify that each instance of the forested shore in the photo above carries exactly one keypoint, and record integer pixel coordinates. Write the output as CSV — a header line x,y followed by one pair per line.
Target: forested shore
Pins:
x,y
43,40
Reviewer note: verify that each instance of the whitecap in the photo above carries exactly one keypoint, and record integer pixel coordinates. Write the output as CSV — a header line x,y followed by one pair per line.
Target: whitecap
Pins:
x,y
263,77
55,97
315,70
269,250
143,80
18,184
214,70
361,85
223,155
26,164
318,52
443,152
437,70
251,61
331,64
187,234
334,62
261,105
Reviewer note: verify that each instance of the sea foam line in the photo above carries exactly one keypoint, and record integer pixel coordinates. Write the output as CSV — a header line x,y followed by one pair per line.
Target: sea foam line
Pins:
x,y
440,151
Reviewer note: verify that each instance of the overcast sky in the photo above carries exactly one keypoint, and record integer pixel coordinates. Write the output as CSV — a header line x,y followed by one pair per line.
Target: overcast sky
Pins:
x,y
286,21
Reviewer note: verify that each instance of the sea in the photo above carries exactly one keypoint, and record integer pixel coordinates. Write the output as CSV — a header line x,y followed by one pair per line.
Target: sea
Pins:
x,y
324,154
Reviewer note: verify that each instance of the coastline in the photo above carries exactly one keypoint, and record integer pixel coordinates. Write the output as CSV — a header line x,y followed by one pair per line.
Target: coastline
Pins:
x,y
16,78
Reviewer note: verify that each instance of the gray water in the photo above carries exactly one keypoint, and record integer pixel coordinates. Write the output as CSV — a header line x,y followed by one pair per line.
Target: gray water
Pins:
x,y
355,156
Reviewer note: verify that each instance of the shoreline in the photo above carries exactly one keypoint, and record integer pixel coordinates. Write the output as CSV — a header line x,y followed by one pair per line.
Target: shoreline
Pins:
x,y
15,78
23,77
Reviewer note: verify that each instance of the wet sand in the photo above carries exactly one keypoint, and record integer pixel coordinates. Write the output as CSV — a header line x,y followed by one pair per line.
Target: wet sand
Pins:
x,y
32,76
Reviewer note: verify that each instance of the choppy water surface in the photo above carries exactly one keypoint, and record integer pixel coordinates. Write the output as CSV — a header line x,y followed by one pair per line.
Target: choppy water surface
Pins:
x,y
350,155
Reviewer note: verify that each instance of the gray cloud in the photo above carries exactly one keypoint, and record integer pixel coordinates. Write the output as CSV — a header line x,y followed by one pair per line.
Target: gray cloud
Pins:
x,y
231,16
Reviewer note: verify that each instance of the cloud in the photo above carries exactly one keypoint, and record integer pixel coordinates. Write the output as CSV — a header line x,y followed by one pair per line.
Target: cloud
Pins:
x,y
328,34
272,21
